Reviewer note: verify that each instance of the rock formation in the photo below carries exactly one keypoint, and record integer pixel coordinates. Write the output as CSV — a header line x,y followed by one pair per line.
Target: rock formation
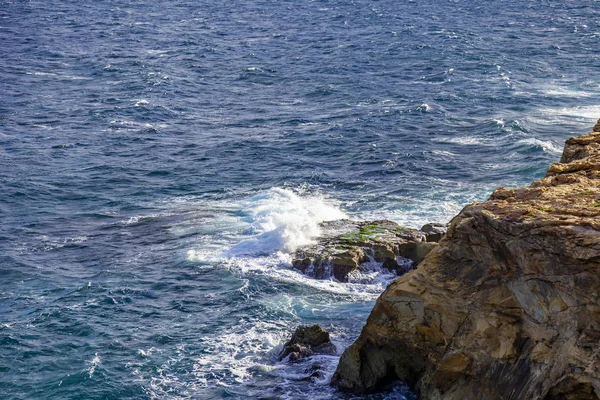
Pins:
x,y
306,341
507,306
345,245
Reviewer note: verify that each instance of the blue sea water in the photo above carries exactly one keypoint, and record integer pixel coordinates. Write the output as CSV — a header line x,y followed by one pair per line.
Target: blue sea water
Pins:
x,y
161,160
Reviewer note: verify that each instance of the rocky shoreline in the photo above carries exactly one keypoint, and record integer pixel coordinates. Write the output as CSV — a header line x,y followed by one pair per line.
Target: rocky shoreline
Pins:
x,y
507,306
346,245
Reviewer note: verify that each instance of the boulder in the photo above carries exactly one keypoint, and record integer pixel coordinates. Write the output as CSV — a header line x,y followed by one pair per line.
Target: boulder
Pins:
x,y
507,306
434,232
345,245
306,341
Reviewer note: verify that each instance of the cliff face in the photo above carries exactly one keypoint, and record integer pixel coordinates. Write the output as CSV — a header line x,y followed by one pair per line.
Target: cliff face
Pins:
x,y
507,306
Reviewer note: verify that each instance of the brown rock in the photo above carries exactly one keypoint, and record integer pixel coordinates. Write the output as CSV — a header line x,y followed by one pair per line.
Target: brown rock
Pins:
x,y
507,306
597,126
434,232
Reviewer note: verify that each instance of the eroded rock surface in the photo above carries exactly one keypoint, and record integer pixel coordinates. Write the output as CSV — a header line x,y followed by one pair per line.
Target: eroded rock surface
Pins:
x,y
507,306
345,245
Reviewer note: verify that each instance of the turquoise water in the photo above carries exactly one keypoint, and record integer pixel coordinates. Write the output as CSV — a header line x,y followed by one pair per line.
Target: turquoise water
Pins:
x,y
161,160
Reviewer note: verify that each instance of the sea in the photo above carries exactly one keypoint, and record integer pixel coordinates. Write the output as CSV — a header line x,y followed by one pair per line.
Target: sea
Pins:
x,y
160,162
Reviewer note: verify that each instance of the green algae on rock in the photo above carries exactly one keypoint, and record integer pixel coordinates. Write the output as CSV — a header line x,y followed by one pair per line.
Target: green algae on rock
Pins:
x,y
345,245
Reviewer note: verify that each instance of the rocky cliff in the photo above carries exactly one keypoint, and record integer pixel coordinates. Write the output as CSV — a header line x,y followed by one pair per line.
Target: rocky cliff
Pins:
x,y
506,306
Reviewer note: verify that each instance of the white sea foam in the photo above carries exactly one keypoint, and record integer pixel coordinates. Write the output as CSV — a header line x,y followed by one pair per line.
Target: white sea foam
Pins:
x,y
235,351
252,346
424,107
443,153
38,73
53,74
94,362
272,225
365,286
371,272
587,112
140,218
547,145
130,125
47,243
559,91
283,220
141,102
466,140
253,237
440,205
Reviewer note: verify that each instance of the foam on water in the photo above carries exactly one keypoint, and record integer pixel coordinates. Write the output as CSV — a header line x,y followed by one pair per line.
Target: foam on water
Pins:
x,y
547,146
93,363
272,224
415,214
562,92
231,354
468,140
366,284
281,220
587,112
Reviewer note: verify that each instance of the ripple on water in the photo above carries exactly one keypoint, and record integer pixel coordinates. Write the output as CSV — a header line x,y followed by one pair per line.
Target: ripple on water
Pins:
x,y
160,163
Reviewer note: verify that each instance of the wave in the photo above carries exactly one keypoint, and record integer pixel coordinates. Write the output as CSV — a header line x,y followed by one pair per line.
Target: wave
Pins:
x,y
546,145
269,227
561,92
282,220
587,112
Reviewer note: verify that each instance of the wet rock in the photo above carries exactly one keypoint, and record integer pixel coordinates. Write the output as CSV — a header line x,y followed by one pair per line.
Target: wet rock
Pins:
x,y
306,341
313,373
507,306
434,232
345,245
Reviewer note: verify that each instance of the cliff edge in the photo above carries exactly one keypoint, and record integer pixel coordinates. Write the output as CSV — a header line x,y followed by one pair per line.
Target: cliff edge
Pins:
x,y
507,306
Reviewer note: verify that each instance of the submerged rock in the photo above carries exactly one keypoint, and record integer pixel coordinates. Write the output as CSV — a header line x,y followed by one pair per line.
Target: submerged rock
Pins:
x,y
345,244
506,307
306,341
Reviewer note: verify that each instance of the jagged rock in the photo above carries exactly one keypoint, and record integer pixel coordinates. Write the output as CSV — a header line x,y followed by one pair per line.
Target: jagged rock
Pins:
x,y
597,126
345,244
434,232
507,306
306,341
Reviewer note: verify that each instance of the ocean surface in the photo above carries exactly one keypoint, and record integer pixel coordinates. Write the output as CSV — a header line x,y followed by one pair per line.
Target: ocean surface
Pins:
x,y
160,160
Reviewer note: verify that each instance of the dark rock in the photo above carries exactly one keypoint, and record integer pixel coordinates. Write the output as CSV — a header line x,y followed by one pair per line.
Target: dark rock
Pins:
x,y
296,351
434,232
306,341
313,372
345,245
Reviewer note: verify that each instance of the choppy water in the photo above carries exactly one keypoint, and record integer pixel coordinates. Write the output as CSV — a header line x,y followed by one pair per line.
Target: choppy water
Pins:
x,y
160,160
